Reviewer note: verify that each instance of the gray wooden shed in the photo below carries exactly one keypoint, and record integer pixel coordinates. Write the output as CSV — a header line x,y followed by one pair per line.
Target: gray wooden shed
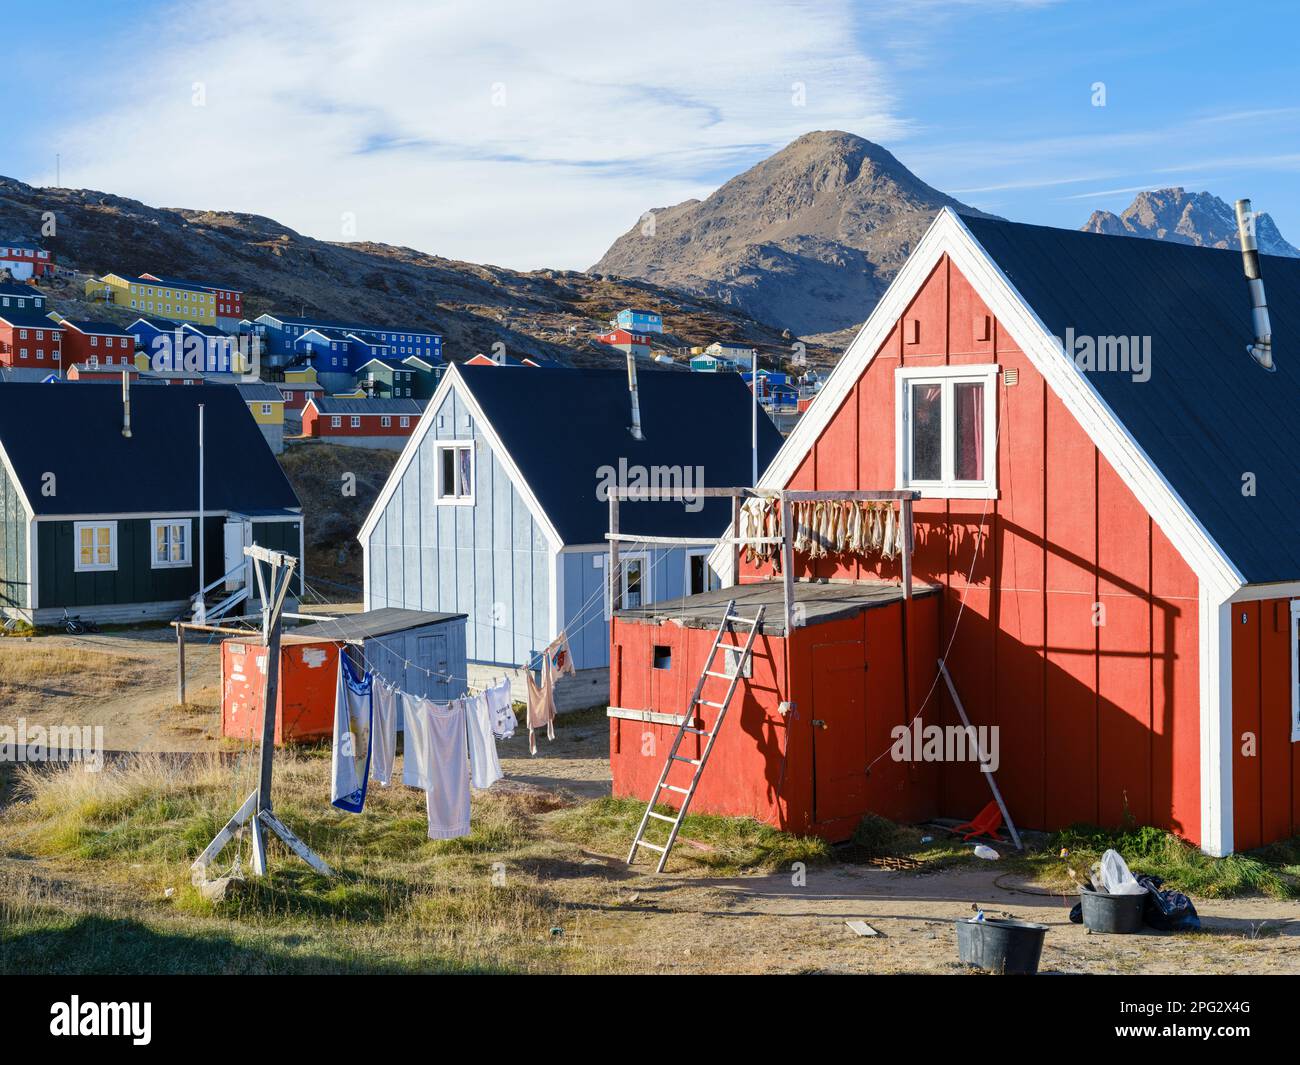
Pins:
x,y
419,651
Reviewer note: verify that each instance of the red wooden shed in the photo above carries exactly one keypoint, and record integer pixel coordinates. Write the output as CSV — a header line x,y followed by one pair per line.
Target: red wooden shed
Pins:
x,y
1107,504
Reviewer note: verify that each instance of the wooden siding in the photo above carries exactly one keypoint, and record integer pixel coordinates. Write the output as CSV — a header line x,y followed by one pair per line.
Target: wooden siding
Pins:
x,y
1265,763
490,560
14,588
1096,720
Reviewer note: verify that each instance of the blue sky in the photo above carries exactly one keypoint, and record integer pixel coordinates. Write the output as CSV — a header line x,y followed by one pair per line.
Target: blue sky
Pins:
x,y
528,135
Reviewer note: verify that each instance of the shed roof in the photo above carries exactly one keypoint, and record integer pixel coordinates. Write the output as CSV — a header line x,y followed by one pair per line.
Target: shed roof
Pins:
x,y
76,434
382,622
1208,416
565,428
334,405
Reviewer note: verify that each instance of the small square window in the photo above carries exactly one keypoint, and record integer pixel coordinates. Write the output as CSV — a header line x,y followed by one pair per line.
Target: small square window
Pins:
x,y
455,469
663,657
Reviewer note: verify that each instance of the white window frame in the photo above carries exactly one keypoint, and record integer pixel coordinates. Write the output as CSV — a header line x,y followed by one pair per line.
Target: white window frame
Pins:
x,y
92,566
1295,671
169,523
711,580
462,498
947,487
647,594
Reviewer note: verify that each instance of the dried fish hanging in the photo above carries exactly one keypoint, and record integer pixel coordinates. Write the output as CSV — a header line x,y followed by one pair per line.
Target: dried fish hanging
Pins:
x,y
887,547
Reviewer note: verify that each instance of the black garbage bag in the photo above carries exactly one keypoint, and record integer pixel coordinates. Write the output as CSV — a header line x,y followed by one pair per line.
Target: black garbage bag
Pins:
x,y
1076,913
1167,911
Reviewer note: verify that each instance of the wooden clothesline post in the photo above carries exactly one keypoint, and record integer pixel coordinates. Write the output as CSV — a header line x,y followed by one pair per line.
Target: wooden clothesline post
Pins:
x,y
257,807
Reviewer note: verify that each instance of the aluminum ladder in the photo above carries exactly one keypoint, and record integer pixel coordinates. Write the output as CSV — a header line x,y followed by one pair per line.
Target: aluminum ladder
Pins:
x,y
729,618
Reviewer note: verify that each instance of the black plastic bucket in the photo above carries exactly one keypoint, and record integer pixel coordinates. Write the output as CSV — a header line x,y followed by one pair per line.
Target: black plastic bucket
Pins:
x,y
1000,946
1119,914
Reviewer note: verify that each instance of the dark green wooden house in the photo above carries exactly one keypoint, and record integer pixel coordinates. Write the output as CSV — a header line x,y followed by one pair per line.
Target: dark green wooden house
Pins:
x,y
106,525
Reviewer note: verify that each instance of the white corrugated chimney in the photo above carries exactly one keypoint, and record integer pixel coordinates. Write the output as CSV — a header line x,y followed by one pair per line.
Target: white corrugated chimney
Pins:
x,y
635,428
126,404
1262,349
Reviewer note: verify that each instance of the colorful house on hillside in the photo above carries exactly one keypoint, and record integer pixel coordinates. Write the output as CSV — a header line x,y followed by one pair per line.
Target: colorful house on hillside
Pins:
x,y
95,370
25,260
16,297
1108,504
185,347
637,344
296,394
425,375
635,321
280,334
375,423
503,360
496,505
178,301
100,343
228,303
266,404
386,379
119,539
29,340
723,357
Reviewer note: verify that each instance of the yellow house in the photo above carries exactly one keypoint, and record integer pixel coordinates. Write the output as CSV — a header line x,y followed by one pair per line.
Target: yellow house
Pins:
x,y
300,375
266,404
174,300
355,393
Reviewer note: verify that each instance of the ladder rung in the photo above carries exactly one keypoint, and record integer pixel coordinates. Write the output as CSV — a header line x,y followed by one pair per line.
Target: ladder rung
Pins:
x,y
737,617
652,846
680,791
697,731
723,676
663,817
688,761
705,702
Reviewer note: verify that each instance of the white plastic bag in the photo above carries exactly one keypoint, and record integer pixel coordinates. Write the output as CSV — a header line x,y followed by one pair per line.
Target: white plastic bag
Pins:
x,y
1115,876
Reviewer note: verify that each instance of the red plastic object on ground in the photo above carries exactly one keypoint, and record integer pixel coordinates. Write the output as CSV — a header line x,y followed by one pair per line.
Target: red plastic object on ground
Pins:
x,y
986,823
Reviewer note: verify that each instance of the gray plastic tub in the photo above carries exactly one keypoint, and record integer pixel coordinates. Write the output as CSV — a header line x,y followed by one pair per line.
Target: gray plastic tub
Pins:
x,y
1000,946
1117,914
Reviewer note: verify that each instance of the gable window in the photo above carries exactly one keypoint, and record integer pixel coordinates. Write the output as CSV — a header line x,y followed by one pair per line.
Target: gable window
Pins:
x,y
96,545
455,466
635,582
171,543
946,431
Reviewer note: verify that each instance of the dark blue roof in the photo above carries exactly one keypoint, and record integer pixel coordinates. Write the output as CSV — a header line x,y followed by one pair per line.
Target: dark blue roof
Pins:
x,y
75,432
28,318
1209,415
561,426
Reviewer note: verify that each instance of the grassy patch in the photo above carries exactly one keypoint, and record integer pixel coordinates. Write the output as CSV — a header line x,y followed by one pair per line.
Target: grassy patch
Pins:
x,y
876,837
1182,866
40,665
730,844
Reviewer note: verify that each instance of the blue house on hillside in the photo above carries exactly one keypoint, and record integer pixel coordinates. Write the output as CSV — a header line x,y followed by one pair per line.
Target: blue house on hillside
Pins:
x,y
180,346
496,507
338,347
635,321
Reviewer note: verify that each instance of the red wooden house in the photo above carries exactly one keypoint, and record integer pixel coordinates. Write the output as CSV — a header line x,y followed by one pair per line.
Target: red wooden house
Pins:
x,y
29,340
380,423
1108,504
96,343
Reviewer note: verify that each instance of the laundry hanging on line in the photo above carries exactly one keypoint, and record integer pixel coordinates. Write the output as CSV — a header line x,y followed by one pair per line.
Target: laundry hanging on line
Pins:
x,y
500,702
436,759
350,757
556,660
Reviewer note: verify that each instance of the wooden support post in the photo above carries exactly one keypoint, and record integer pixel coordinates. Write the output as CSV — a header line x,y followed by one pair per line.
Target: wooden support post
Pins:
x,y
905,516
280,579
614,577
180,665
988,773
735,543
787,561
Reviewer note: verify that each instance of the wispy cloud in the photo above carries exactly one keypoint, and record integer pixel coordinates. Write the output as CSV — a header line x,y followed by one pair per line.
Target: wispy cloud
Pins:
x,y
512,132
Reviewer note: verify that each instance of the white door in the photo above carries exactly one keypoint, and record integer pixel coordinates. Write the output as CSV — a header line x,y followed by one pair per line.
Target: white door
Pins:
x,y
238,534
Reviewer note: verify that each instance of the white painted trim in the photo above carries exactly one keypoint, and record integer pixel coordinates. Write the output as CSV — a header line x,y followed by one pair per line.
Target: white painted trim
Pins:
x,y
947,487
18,485
949,235
93,567
1216,724
188,561
1295,670
1253,593
556,598
453,380
33,565
455,444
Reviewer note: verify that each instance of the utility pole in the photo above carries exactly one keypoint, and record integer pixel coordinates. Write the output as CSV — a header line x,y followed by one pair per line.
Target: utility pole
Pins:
x,y
753,427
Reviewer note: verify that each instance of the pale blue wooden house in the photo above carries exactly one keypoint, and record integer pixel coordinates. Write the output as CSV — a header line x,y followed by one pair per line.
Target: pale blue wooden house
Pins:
x,y
496,510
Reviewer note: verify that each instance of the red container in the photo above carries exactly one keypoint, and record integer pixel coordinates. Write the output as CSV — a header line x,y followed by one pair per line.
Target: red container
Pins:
x,y
305,699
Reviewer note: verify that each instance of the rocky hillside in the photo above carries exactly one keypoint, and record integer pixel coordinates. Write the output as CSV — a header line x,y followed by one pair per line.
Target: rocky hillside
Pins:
x,y
806,240
548,313
1198,218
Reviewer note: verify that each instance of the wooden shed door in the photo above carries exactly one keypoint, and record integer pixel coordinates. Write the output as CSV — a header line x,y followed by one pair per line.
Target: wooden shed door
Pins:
x,y
431,654
839,730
